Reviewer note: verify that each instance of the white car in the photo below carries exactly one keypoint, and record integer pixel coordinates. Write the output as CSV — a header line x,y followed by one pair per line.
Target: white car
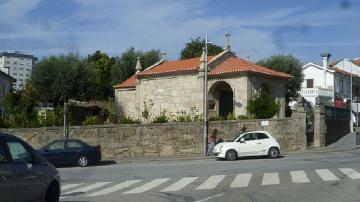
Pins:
x,y
254,143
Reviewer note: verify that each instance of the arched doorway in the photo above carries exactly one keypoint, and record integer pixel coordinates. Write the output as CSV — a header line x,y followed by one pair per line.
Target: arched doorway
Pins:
x,y
222,96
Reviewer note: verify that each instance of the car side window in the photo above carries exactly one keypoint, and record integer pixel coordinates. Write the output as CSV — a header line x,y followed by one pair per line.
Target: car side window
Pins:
x,y
3,158
56,146
249,137
19,153
261,136
73,145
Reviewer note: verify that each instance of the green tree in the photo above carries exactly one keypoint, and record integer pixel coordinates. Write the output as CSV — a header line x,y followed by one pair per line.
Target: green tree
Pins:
x,y
59,78
124,66
194,49
101,64
19,106
290,65
262,106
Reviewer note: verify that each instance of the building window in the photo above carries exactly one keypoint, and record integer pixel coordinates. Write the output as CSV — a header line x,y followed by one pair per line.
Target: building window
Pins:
x,y
14,73
309,83
21,75
341,85
15,63
7,62
28,70
21,68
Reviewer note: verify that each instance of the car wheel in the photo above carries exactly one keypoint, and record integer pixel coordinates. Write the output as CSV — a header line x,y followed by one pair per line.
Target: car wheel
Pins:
x,y
53,193
82,161
231,155
273,153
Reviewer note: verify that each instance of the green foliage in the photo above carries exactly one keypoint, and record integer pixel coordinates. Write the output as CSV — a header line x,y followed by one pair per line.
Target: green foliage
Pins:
x,y
288,64
241,117
128,120
190,116
124,66
230,116
18,107
262,106
51,118
162,118
194,49
216,118
92,120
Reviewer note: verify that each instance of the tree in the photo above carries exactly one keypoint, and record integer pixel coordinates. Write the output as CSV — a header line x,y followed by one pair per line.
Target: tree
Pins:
x,y
60,78
194,49
124,66
262,106
18,107
290,65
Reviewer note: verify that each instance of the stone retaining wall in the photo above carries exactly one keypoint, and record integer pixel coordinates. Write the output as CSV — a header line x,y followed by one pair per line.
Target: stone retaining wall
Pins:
x,y
121,142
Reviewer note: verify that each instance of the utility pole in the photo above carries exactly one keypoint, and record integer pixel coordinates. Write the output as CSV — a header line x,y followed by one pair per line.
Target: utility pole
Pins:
x,y
65,129
205,97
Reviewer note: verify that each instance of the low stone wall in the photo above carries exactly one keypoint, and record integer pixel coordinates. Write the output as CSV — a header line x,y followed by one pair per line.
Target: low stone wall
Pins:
x,y
121,142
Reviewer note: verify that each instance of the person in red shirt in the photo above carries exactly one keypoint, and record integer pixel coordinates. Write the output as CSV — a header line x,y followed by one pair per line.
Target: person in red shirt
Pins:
x,y
212,141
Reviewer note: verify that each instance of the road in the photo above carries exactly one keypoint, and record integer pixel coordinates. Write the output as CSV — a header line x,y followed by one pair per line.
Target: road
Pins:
x,y
332,176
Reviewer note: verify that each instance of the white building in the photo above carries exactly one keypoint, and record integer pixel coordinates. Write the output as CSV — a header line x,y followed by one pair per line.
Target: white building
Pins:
x,y
18,66
323,83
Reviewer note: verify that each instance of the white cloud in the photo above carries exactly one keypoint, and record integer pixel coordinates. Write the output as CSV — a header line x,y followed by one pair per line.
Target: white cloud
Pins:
x,y
12,11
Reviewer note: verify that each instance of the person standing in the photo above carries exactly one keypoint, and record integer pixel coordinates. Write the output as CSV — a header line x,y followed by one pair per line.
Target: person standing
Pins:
x,y
212,141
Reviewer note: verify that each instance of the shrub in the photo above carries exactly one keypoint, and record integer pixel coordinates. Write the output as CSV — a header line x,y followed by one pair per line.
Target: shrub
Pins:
x,y
262,106
243,117
216,118
230,116
128,120
91,120
161,119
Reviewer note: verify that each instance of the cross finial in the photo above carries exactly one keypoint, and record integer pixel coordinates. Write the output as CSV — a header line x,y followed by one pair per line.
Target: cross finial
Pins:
x,y
138,65
227,41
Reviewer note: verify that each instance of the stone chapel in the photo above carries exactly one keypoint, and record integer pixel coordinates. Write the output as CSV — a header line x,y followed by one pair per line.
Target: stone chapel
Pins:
x,y
176,87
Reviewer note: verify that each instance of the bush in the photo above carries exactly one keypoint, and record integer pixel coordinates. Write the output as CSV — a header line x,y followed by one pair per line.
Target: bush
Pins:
x,y
91,120
128,120
262,106
161,119
230,116
216,118
240,117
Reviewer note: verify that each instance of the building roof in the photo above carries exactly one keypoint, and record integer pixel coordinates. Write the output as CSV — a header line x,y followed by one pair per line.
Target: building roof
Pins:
x,y
340,71
356,61
18,54
237,65
175,66
231,65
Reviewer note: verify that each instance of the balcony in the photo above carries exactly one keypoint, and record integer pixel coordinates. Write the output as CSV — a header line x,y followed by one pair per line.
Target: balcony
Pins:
x,y
315,92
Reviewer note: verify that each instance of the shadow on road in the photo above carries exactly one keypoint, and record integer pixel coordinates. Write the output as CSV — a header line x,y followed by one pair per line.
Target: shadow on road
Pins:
x,y
101,163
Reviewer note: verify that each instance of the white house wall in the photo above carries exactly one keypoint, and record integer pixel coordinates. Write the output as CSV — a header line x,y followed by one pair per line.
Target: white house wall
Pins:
x,y
312,72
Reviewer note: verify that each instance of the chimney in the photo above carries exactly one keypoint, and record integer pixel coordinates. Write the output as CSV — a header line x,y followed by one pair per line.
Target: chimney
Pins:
x,y
202,60
325,59
163,54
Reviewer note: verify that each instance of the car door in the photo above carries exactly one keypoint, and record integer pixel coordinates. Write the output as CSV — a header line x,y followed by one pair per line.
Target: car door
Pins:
x,y
30,176
248,146
7,177
263,142
73,149
53,152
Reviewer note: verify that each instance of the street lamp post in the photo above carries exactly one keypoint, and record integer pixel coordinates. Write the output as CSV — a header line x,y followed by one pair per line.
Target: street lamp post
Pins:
x,y
351,119
205,97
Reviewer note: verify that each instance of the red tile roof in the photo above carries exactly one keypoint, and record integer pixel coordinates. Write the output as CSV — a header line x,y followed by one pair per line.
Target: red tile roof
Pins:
x,y
175,66
236,65
340,71
357,62
231,65
128,83
333,63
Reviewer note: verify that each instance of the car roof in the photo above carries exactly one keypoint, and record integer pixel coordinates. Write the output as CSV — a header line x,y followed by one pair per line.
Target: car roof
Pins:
x,y
2,135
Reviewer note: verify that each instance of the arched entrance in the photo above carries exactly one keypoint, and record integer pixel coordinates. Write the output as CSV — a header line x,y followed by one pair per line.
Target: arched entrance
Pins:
x,y
222,99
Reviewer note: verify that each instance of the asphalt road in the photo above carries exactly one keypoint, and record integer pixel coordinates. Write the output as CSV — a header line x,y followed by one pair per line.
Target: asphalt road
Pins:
x,y
333,176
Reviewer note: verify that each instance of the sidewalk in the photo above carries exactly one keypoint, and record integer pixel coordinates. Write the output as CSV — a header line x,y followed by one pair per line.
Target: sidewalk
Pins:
x,y
347,143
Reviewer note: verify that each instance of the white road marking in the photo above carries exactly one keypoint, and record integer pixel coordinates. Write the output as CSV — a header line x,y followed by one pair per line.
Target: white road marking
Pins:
x,y
299,176
148,186
179,184
210,197
270,178
114,188
241,180
211,182
351,173
87,188
326,175
69,186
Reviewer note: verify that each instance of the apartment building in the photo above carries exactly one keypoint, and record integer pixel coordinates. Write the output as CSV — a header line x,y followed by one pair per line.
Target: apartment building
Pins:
x,y
18,66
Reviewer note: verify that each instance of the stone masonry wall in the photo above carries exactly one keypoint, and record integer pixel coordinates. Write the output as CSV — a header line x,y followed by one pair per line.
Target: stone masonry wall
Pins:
x,y
120,142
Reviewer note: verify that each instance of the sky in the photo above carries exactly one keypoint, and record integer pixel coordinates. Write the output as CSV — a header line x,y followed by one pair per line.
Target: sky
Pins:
x,y
259,28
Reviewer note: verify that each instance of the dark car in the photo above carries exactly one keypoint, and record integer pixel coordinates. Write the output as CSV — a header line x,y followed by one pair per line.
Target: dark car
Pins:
x,y
24,174
71,151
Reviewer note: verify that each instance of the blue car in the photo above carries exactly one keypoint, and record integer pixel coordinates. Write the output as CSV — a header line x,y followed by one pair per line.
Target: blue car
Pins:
x,y
71,151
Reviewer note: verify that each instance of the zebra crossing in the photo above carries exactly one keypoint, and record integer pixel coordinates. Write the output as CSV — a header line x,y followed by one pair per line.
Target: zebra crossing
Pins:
x,y
241,180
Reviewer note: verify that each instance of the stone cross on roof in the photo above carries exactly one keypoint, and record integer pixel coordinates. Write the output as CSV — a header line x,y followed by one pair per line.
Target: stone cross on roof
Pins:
x,y
227,41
